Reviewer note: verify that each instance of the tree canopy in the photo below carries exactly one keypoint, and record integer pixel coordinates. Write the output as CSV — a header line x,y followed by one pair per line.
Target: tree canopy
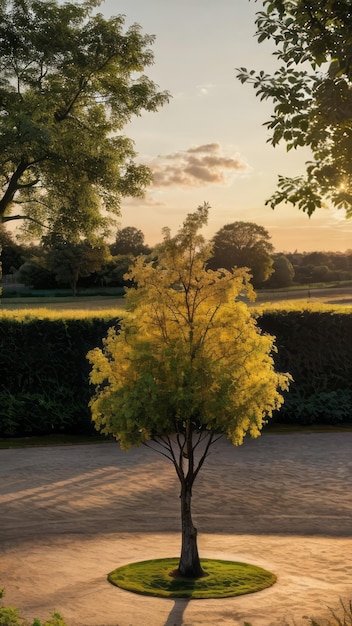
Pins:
x,y
311,93
12,253
129,240
71,261
70,80
188,364
283,272
243,244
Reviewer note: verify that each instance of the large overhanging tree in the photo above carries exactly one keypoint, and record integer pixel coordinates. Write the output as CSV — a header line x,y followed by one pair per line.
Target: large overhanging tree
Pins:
x,y
312,96
188,365
70,80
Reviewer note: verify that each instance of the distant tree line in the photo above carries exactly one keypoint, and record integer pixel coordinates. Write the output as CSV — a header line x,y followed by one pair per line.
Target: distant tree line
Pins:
x,y
93,263
312,267
57,262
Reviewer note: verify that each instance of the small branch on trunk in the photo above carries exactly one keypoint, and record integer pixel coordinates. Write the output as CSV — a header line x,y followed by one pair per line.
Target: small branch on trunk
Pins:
x,y
201,436
31,184
212,439
181,446
178,465
163,445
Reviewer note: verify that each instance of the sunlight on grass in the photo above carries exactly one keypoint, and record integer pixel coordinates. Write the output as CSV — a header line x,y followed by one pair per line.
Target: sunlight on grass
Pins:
x,y
109,308
223,579
53,314
301,305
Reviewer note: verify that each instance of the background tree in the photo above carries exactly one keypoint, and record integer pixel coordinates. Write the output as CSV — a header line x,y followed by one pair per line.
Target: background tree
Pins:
x,y
321,266
188,365
69,261
283,272
13,254
70,80
311,93
35,274
129,241
243,244
321,274
113,272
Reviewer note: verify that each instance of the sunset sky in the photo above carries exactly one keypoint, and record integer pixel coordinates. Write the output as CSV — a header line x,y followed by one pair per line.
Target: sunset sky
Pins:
x,y
209,143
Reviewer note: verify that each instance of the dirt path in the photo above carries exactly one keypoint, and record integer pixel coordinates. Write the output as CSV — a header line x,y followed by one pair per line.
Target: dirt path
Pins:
x,y
69,515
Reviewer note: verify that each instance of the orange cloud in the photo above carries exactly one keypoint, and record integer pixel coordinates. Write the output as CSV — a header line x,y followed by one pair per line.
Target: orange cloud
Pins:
x,y
196,167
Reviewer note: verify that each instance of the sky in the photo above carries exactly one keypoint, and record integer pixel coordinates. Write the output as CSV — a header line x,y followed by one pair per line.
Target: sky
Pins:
x,y
209,144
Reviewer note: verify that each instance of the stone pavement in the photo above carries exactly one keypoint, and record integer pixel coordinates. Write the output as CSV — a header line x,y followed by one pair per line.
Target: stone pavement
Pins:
x,y
69,515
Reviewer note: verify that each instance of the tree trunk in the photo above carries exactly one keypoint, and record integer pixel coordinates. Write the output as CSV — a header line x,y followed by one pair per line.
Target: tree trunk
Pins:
x,y
74,281
189,565
12,187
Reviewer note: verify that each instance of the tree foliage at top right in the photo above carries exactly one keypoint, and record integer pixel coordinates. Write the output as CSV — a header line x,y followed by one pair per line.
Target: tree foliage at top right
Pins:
x,y
312,95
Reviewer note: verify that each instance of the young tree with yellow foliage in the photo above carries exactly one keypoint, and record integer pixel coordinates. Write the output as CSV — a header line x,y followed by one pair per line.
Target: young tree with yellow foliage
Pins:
x,y
188,365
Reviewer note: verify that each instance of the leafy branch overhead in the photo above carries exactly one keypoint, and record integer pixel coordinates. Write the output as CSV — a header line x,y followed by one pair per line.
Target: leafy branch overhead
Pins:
x,y
311,94
70,80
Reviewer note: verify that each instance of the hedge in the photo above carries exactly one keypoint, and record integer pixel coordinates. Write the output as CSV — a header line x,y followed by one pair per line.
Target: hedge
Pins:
x,y
44,385
316,348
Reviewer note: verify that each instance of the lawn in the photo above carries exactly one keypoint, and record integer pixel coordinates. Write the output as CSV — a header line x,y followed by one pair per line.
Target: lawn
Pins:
x,y
65,303
299,296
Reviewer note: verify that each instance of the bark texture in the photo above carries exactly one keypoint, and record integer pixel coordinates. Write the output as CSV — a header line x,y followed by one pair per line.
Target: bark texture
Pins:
x,y
189,565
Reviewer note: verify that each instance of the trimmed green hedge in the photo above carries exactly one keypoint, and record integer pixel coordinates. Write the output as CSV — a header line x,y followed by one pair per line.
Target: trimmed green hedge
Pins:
x,y
316,348
44,384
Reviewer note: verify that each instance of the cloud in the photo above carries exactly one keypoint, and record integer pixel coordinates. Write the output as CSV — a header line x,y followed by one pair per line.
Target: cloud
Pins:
x,y
197,166
206,148
146,200
204,90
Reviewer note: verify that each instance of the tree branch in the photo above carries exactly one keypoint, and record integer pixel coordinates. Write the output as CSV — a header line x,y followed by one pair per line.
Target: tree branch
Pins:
x,y
12,186
211,441
10,218
60,114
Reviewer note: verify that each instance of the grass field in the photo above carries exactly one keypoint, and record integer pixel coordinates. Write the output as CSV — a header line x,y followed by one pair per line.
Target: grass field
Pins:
x,y
97,303
331,296
327,294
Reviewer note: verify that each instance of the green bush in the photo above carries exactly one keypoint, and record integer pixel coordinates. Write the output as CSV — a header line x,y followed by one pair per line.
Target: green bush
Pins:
x,y
9,616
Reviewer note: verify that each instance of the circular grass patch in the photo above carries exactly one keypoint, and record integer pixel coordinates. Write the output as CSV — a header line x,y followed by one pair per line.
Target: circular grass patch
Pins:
x,y
223,579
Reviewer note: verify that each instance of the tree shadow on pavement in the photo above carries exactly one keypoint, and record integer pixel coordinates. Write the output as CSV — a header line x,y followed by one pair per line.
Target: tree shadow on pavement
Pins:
x,y
175,617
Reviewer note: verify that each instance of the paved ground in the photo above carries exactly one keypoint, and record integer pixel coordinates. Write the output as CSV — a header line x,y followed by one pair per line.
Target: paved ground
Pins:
x,y
69,515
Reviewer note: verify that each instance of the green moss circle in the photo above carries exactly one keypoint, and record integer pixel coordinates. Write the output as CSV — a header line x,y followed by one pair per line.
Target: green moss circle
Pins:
x,y
223,579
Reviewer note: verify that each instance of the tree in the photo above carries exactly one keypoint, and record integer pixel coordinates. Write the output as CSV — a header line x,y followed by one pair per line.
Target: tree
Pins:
x,y
311,93
188,365
243,244
35,274
70,261
322,274
317,258
129,240
12,253
283,272
70,80
113,273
